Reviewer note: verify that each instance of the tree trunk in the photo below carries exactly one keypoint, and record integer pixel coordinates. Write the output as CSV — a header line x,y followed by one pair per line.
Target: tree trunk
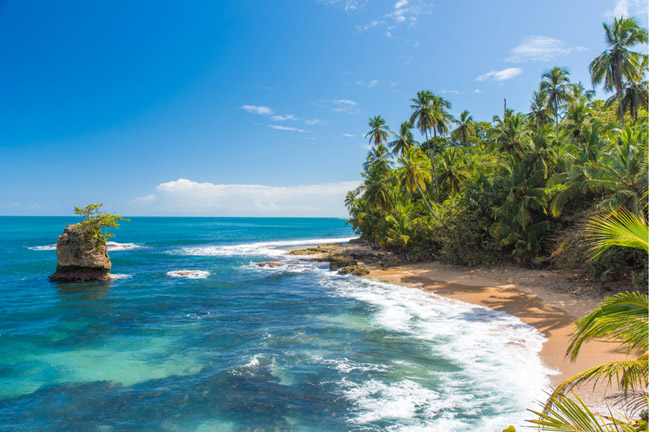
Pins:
x,y
426,201
619,89
557,124
433,165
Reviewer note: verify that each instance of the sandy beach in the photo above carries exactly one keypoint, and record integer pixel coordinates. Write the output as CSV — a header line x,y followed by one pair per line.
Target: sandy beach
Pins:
x,y
547,300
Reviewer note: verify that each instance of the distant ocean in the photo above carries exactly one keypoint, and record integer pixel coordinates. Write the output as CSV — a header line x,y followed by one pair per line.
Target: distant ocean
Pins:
x,y
236,347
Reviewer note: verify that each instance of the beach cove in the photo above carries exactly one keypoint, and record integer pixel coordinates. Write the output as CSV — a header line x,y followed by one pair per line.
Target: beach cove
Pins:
x,y
195,336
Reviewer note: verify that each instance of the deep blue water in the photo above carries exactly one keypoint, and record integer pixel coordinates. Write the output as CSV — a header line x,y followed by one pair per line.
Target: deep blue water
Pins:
x,y
243,348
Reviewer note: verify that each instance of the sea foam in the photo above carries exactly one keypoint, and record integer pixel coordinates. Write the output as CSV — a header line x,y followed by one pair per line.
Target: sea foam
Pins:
x,y
269,249
499,373
110,246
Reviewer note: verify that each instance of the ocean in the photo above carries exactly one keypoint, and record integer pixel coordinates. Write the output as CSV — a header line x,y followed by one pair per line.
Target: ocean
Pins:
x,y
231,346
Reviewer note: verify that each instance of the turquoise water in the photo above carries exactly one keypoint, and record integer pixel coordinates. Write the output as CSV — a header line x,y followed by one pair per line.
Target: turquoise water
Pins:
x,y
239,347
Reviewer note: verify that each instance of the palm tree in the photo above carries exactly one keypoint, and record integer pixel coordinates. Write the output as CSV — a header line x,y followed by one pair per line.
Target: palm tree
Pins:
x,y
413,174
404,139
622,318
510,133
635,97
555,83
423,119
465,130
378,130
539,108
619,63
453,171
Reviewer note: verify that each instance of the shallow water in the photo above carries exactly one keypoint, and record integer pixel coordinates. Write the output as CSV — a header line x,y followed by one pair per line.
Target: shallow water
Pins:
x,y
237,347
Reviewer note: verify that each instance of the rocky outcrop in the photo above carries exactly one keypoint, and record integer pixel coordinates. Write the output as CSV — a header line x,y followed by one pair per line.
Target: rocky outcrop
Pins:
x,y
357,270
339,261
271,264
79,260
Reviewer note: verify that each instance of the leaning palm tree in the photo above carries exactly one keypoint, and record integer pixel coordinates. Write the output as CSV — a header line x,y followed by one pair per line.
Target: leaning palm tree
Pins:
x,y
378,133
622,318
403,140
465,130
618,63
555,83
413,174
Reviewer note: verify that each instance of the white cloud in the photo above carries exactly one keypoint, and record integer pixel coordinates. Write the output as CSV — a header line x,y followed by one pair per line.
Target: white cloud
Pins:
x,y
344,102
348,135
314,122
284,117
627,8
256,109
539,48
347,5
477,91
287,128
451,91
403,14
369,84
184,197
501,75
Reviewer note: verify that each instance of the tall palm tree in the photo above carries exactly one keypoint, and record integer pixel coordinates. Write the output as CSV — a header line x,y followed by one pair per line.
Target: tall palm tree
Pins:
x,y
413,173
539,108
555,83
619,63
378,130
465,130
404,139
423,119
510,133
635,97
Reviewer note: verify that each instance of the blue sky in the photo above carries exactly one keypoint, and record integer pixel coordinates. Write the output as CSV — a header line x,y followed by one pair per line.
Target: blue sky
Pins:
x,y
251,107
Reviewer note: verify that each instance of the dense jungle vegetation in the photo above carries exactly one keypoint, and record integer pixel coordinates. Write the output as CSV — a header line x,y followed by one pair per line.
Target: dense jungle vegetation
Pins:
x,y
523,186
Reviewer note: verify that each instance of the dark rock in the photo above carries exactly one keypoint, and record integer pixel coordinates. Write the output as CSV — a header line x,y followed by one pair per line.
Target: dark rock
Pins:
x,y
357,270
390,261
271,264
80,260
340,261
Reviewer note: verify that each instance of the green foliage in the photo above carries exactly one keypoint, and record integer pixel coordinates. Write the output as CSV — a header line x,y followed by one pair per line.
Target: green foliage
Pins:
x,y
463,236
95,222
508,187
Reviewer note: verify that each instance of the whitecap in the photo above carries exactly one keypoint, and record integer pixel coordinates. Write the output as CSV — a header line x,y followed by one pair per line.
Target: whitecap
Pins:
x,y
498,372
117,276
189,274
110,246
269,249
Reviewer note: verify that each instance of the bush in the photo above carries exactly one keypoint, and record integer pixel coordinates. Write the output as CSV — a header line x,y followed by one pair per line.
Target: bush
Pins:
x,y
463,238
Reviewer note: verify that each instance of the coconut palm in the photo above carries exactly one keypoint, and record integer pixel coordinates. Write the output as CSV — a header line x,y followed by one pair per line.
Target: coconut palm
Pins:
x,y
618,63
510,133
453,171
539,108
622,318
424,120
555,83
465,130
635,97
378,133
404,139
413,173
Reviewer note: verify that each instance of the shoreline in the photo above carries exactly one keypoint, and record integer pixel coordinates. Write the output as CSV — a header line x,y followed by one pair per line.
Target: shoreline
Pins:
x,y
544,299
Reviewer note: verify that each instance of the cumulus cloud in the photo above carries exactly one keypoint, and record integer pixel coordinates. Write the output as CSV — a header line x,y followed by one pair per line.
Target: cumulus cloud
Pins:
x,y
627,8
501,75
540,48
348,135
314,122
185,197
257,109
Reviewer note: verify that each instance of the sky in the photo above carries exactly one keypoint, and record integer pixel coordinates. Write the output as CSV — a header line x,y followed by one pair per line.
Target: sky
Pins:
x,y
252,107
